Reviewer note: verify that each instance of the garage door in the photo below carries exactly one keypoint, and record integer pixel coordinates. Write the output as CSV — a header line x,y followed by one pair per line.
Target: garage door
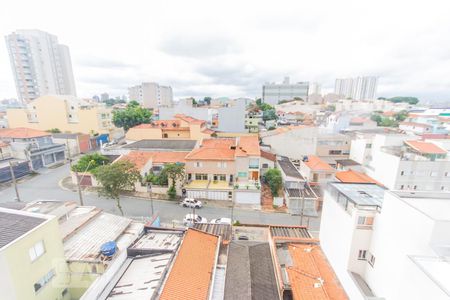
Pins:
x,y
247,197
217,195
197,194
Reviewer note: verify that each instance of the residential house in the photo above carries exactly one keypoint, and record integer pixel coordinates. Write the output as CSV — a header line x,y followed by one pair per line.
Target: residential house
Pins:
x,y
228,116
153,145
417,128
82,231
153,162
268,161
252,121
353,176
299,197
315,170
31,257
181,127
34,145
401,163
69,114
225,169
302,270
76,143
360,232
298,141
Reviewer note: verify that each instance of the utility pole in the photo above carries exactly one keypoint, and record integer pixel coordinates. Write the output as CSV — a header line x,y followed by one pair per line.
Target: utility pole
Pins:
x,y
13,177
80,195
303,207
149,190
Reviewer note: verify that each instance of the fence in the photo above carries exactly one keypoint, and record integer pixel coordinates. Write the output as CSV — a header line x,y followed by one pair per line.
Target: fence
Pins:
x,y
20,170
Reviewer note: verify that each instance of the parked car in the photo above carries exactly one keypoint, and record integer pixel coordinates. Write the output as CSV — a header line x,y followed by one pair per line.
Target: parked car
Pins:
x,y
191,219
221,221
190,202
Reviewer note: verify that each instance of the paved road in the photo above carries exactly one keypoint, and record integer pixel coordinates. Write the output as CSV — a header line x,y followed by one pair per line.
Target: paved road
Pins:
x,y
46,187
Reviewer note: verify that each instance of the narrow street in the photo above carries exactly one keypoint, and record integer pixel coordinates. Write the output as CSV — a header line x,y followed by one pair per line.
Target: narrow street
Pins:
x,y
45,186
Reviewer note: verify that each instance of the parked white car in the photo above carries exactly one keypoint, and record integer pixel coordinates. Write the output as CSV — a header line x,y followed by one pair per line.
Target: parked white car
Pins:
x,y
221,221
190,202
191,219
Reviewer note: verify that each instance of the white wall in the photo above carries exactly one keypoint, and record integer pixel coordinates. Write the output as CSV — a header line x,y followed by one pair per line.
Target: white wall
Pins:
x,y
336,239
399,231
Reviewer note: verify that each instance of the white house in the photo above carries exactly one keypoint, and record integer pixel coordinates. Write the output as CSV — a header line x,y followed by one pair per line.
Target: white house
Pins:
x,y
403,163
391,246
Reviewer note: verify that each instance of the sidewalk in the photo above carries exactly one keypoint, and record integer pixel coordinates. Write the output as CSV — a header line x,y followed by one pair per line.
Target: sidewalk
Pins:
x,y
67,184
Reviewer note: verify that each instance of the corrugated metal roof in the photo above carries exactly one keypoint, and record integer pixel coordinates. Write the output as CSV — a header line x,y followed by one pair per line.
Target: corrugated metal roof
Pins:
x,y
142,278
289,169
222,230
84,245
290,231
250,273
13,225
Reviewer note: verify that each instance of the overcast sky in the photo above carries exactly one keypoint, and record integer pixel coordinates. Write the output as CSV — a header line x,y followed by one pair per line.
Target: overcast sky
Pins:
x,y
230,48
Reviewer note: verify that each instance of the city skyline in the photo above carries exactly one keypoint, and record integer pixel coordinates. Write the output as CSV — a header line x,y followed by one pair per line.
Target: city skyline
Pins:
x,y
204,54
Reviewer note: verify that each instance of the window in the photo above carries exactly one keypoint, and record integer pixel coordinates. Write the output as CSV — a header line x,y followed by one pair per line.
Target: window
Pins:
x,y
335,152
242,174
447,174
415,187
362,254
265,166
44,280
201,176
402,187
402,173
221,164
198,164
372,260
221,177
37,250
365,221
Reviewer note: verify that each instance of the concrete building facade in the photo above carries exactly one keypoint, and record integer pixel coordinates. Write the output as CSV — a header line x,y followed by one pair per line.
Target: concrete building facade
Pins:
x,y
151,95
272,93
359,88
40,65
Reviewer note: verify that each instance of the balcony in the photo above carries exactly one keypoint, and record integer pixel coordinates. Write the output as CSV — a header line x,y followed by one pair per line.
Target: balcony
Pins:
x,y
248,185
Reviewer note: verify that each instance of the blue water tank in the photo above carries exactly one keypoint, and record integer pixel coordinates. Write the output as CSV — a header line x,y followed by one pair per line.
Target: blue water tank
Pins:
x,y
108,248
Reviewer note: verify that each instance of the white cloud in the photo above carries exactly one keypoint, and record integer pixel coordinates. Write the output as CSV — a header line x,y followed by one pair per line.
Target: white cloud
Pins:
x,y
232,47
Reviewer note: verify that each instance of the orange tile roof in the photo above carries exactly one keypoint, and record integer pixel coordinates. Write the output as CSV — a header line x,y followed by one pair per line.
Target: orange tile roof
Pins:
x,y
249,145
310,267
208,131
425,147
316,164
352,176
221,148
140,158
189,119
3,144
193,268
22,133
163,124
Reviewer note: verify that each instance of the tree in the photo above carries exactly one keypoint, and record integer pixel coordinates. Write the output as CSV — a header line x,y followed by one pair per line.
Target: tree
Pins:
x,y
207,100
269,115
115,178
377,118
273,178
331,108
173,172
401,116
89,162
54,130
132,116
410,100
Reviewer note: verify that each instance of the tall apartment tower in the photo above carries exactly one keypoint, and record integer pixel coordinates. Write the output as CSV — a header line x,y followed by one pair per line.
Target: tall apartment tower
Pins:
x,y
40,65
359,88
151,95
272,93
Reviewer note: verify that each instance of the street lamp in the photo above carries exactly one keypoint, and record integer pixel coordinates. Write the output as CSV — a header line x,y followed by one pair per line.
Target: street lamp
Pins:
x,y
149,190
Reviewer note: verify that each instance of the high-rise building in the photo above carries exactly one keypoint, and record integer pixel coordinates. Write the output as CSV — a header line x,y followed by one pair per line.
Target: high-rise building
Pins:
x,y
40,65
104,97
359,88
151,95
272,93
